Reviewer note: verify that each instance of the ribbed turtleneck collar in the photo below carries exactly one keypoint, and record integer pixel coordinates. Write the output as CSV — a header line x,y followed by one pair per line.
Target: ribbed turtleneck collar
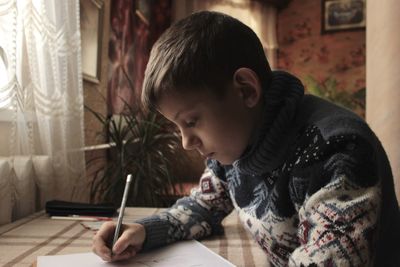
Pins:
x,y
282,98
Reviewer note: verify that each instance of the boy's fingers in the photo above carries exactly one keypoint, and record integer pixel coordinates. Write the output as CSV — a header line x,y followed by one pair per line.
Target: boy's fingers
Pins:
x,y
126,254
106,257
106,230
123,242
100,241
131,236
103,251
127,245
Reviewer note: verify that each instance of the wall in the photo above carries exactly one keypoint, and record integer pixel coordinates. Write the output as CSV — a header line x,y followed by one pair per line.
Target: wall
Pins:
x,y
303,50
93,98
94,92
383,79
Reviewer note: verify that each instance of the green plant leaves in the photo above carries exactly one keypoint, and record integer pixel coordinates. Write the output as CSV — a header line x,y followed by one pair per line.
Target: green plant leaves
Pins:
x,y
328,89
141,145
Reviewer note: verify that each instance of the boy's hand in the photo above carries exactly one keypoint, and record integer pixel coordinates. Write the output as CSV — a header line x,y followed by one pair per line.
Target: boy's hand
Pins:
x,y
128,244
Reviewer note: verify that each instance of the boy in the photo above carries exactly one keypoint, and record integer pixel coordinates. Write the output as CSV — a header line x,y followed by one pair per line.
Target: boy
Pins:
x,y
309,180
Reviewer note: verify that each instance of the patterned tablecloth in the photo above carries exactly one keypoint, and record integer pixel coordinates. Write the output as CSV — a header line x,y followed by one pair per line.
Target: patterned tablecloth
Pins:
x,y
22,241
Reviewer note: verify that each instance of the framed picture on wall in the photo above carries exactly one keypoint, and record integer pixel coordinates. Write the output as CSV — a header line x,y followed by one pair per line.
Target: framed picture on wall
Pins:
x,y
91,19
342,15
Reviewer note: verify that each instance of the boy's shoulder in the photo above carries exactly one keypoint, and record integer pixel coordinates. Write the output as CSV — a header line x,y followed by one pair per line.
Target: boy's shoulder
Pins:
x,y
331,119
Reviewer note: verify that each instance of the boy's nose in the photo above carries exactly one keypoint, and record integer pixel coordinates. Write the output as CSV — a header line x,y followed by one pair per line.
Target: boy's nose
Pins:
x,y
190,142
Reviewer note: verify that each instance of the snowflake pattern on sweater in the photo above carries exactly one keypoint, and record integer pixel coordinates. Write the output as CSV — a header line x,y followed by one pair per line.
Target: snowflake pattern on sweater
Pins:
x,y
334,225
309,189
295,226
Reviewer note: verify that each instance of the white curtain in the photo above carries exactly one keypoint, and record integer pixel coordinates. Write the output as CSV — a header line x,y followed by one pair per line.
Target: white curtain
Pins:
x,y
41,105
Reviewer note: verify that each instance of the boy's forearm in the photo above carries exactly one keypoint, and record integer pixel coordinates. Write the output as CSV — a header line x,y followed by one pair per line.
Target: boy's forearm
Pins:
x,y
193,217
185,220
157,232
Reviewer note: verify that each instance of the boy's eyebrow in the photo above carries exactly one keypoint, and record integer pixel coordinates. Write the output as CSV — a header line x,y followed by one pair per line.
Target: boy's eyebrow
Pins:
x,y
180,112
177,114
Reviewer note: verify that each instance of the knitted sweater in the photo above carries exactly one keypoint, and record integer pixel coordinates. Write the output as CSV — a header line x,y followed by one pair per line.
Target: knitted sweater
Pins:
x,y
314,189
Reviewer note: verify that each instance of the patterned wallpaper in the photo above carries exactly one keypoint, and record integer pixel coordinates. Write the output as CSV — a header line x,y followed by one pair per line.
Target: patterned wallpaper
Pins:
x,y
134,27
334,62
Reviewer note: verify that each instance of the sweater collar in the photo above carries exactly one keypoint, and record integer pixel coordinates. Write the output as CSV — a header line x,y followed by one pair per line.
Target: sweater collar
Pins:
x,y
274,135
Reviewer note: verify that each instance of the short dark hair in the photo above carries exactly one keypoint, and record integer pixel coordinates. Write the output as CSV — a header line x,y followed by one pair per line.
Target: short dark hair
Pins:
x,y
202,50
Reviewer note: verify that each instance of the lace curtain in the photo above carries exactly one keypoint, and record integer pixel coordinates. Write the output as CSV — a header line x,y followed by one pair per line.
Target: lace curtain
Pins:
x,y
41,105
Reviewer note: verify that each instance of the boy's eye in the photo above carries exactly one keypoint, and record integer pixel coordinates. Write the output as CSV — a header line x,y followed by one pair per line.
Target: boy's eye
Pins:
x,y
191,123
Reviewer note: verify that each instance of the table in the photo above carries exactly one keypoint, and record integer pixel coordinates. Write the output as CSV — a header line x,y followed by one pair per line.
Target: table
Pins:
x,y
36,235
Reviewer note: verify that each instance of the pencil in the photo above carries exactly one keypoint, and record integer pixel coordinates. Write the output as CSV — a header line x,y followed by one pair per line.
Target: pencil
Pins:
x,y
121,210
80,218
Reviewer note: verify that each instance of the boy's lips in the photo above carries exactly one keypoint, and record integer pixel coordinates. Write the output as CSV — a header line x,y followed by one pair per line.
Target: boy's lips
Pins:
x,y
209,155
206,155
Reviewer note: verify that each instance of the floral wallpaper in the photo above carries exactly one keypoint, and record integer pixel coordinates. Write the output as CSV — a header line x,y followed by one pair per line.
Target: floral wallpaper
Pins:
x,y
334,59
134,27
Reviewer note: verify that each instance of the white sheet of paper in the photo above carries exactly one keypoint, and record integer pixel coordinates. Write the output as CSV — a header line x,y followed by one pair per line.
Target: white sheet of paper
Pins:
x,y
181,254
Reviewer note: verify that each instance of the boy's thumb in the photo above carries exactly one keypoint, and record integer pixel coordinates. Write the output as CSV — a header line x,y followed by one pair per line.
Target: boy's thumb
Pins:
x,y
121,244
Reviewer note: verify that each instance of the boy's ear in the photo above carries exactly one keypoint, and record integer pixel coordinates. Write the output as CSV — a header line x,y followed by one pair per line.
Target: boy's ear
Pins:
x,y
248,86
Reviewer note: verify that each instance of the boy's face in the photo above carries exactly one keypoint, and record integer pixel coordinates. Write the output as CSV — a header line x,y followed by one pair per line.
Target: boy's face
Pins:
x,y
217,128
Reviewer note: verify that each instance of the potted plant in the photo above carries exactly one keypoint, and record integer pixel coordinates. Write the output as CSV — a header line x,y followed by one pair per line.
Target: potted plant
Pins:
x,y
141,144
329,90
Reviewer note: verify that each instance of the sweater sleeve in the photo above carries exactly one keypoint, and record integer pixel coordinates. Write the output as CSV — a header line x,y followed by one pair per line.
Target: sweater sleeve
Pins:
x,y
338,219
192,217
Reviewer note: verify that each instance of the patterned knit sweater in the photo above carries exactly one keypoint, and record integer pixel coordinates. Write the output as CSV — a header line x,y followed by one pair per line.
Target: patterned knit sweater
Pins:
x,y
314,189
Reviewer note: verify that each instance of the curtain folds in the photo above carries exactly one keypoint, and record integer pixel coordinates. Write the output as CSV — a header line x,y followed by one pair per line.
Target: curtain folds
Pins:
x,y
41,103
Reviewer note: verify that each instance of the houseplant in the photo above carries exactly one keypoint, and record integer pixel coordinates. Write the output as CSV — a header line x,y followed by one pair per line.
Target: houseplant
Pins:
x,y
328,89
141,144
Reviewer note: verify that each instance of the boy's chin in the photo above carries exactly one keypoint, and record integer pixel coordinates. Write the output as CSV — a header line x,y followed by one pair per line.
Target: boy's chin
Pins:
x,y
225,161
222,159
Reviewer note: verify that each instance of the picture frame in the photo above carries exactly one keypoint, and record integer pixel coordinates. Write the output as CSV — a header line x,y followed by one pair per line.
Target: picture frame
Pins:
x,y
342,15
91,22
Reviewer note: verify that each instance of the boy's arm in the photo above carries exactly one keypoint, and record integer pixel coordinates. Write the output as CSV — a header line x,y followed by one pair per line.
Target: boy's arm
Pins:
x,y
338,221
196,216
